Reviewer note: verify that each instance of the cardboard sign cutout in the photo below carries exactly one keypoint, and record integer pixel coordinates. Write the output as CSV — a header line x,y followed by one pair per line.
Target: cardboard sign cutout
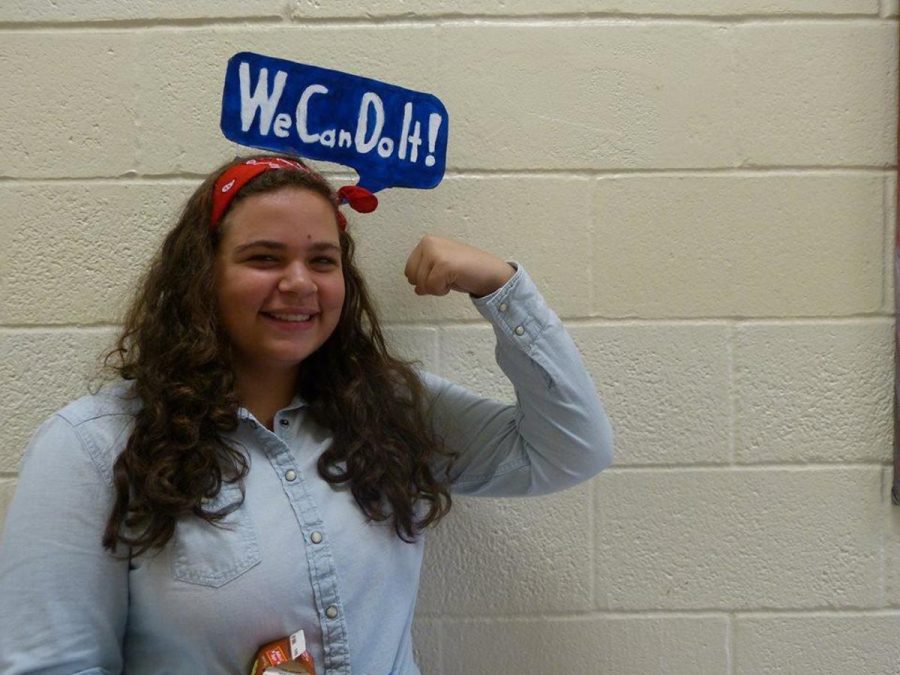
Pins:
x,y
393,137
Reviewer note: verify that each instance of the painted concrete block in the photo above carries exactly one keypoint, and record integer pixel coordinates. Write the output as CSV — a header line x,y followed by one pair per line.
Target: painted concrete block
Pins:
x,y
41,371
467,358
814,392
695,645
817,645
73,112
750,539
7,489
110,10
509,556
427,634
413,343
821,93
665,387
710,246
75,254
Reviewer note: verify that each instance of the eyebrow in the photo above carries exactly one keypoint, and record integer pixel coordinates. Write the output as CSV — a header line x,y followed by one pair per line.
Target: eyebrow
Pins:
x,y
325,246
280,246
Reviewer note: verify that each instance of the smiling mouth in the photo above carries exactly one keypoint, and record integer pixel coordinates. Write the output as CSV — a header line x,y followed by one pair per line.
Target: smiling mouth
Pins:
x,y
295,318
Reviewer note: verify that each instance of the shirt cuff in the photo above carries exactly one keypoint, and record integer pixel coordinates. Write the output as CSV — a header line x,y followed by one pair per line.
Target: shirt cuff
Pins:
x,y
516,309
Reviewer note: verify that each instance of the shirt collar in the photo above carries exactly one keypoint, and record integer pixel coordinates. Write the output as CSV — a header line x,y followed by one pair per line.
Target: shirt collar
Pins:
x,y
296,403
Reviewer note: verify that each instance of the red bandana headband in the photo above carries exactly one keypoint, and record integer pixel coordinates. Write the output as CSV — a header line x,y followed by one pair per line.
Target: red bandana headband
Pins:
x,y
232,180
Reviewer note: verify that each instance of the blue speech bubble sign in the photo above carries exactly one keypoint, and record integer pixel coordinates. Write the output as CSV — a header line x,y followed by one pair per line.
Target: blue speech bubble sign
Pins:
x,y
393,137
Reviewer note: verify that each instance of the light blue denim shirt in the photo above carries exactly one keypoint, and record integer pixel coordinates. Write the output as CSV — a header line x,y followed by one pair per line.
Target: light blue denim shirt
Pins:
x,y
299,553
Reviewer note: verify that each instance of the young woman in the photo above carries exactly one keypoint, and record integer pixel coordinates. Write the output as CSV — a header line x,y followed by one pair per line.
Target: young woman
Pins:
x,y
263,464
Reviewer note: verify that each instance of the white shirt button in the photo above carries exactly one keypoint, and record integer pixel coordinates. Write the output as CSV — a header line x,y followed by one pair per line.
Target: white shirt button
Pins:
x,y
520,330
503,307
283,422
316,537
290,475
331,612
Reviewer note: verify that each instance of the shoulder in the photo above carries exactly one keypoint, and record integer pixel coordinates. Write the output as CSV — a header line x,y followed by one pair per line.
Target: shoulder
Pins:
x,y
113,401
97,425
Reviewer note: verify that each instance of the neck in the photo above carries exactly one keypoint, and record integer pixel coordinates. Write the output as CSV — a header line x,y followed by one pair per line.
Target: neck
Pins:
x,y
265,392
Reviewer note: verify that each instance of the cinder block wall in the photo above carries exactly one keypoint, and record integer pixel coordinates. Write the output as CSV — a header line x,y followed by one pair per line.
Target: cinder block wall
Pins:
x,y
704,190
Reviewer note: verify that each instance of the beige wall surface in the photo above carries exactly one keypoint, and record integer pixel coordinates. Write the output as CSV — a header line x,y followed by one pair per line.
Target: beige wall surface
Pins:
x,y
705,192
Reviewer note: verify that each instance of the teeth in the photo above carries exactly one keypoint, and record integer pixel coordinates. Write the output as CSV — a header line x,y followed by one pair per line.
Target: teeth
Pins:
x,y
291,317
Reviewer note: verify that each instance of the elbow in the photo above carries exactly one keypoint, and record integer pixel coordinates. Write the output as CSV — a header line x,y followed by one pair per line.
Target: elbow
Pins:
x,y
608,445
594,452
603,444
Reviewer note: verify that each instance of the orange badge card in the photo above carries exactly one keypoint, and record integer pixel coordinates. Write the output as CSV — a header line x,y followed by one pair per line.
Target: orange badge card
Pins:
x,y
284,656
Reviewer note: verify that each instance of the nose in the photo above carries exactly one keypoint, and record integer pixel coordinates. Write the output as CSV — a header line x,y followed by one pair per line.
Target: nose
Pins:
x,y
297,279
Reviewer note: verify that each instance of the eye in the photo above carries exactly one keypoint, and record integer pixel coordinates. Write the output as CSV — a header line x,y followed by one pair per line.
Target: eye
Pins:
x,y
263,257
325,261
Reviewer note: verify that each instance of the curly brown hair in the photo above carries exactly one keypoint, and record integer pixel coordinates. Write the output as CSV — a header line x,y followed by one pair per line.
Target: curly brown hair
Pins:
x,y
175,351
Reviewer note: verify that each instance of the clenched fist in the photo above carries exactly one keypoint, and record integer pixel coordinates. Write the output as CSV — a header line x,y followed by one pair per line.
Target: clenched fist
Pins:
x,y
436,266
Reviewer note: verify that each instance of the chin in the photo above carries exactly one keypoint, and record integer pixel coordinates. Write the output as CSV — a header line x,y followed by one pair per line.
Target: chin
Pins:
x,y
294,359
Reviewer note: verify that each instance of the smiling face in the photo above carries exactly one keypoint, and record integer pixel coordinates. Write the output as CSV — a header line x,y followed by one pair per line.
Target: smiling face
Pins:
x,y
279,282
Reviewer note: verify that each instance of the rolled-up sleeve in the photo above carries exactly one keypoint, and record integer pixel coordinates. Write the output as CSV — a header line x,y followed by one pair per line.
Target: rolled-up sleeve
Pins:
x,y
556,435
63,598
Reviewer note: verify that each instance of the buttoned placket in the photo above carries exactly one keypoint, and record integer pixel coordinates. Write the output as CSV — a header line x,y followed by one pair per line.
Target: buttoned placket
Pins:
x,y
276,445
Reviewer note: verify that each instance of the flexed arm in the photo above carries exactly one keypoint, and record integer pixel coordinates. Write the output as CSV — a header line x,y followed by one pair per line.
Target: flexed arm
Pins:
x,y
557,433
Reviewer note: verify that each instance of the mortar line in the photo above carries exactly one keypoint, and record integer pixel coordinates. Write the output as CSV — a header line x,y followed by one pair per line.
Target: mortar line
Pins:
x,y
537,20
656,614
580,321
552,19
541,19
729,644
732,393
889,219
821,612
797,170
592,196
575,615
795,466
